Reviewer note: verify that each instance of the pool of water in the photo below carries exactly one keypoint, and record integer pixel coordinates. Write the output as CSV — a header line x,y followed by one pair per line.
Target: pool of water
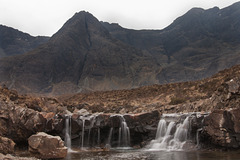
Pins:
x,y
153,155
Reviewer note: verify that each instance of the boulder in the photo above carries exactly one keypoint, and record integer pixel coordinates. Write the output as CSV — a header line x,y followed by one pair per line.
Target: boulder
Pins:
x,y
6,145
221,128
19,123
47,146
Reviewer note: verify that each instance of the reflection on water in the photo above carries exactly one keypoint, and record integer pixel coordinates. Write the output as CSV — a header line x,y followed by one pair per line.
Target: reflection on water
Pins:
x,y
153,155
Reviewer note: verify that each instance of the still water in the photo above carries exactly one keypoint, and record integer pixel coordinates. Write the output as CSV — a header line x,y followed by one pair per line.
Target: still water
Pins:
x,y
153,155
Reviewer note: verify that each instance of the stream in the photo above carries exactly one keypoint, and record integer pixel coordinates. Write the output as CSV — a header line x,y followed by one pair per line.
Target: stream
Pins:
x,y
153,155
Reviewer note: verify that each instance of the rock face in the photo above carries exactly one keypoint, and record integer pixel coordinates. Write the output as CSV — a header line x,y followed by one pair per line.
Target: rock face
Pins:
x,y
221,128
46,146
6,145
19,123
14,42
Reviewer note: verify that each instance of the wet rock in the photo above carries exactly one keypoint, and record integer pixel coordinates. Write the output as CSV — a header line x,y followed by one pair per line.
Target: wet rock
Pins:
x,y
221,128
6,145
142,126
46,146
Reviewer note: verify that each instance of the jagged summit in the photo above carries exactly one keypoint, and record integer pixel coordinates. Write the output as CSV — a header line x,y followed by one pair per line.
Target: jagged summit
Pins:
x,y
80,29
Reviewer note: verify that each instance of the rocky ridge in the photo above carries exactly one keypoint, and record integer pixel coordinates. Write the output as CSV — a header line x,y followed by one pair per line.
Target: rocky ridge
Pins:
x,y
196,45
14,42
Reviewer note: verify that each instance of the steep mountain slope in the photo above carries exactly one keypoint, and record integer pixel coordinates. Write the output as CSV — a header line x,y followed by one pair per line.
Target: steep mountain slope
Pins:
x,y
13,42
195,45
81,56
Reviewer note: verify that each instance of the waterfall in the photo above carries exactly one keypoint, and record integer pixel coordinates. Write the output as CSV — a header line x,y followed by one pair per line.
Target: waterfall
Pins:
x,y
91,134
119,136
82,136
67,137
170,134
161,128
108,144
124,133
197,136
93,120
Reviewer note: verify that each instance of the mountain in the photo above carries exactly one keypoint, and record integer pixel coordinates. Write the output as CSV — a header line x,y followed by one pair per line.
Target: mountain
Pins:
x,y
81,56
196,45
88,55
13,42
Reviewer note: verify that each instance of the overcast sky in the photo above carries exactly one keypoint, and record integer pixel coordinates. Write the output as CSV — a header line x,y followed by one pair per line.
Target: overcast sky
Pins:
x,y
45,17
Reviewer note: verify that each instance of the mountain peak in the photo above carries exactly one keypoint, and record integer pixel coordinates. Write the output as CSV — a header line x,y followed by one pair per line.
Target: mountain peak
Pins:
x,y
80,29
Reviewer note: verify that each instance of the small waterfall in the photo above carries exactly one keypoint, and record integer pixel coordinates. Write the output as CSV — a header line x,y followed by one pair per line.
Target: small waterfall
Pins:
x,y
68,131
108,144
170,135
161,128
119,136
91,134
93,120
197,136
124,133
82,135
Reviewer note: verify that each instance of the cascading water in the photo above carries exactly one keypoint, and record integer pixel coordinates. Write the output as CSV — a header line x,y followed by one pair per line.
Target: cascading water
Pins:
x,y
68,132
108,144
91,134
123,133
197,136
93,120
82,136
170,135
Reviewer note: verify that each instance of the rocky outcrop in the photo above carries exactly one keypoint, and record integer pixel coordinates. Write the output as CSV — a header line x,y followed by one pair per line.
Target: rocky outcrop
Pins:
x,y
46,146
221,128
6,145
18,123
